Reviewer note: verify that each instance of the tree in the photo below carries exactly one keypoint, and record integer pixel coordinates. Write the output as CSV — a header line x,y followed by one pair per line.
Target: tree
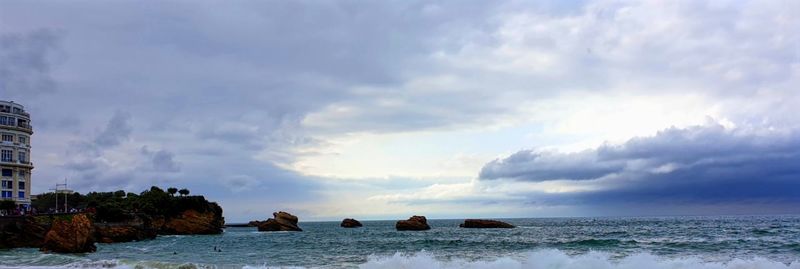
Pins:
x,y
172,191
156,189
183,192
119,194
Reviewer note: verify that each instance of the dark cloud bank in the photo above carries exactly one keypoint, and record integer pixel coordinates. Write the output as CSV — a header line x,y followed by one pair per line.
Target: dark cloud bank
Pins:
x,y
701,165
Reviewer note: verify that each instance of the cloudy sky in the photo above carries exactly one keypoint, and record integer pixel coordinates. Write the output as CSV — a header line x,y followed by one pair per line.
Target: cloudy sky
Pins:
x,y
382,109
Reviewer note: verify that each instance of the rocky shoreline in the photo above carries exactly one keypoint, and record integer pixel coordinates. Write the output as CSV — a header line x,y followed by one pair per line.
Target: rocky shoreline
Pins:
x,y
109,222
78,233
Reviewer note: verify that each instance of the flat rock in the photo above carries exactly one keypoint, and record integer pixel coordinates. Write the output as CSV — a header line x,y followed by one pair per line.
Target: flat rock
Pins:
x,y
415,223
482,223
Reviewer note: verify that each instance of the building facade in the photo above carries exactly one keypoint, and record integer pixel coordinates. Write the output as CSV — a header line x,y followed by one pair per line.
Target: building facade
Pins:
x,y
15,153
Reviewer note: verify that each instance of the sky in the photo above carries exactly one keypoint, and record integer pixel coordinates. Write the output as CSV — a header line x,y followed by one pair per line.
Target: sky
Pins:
x,y
385,109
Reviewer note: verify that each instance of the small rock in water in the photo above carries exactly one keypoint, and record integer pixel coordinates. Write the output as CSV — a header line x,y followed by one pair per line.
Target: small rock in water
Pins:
x,y
350,223
415,223
482,223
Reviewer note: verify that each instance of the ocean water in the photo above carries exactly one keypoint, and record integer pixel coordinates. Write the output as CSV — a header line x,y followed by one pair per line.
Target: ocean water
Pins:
x,y
735,242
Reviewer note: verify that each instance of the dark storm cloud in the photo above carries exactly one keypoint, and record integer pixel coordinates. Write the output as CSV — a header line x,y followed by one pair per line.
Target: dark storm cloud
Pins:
x,y
25,62
705,164
117,130
541,166
161,160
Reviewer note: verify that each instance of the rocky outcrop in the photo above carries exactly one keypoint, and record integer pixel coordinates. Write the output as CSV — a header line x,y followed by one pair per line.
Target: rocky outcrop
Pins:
x,y
193,222
135,230
350,223
282,221
482,223
70,234
23,232
415,223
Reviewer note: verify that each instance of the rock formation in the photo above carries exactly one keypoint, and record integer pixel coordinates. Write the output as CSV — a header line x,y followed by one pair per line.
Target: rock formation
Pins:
x,y
193,222
282,221
70,234
415,223
23,232
481,223
136,230
350,223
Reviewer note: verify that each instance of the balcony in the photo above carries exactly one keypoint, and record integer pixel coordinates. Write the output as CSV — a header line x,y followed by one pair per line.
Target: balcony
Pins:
x,y
19,127
15,111
28,164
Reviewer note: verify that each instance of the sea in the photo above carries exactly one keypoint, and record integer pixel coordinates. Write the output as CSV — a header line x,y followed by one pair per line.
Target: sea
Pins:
x,y
718,242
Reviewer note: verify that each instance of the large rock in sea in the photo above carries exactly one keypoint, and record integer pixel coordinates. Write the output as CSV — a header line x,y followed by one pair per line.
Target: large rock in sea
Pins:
x,y
482,223
415,223
70,234
282,221
350,223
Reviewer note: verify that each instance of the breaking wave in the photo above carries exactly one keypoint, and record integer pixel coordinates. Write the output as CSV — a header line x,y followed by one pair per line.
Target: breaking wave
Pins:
x,y
542,259
555,259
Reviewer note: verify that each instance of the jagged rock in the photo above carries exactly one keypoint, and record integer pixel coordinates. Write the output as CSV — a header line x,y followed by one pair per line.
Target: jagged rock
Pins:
x,y
350,223
415,223
193,222
482,223
282,221
70,234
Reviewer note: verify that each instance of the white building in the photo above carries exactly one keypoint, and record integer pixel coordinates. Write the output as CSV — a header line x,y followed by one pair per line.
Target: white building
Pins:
x,y
15,153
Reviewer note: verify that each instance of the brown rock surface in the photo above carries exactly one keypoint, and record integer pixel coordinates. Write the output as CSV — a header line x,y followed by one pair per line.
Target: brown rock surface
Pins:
x,y
70,234
193,222
350,223
124,232
415,223
282,221
23,232
482,223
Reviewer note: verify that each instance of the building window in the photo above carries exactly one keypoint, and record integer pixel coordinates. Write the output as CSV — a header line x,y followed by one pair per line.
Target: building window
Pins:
x,y
23,175
6,194
12,121
8,173
3,120
8,138
21,195
6,155
21,185
23,140
8,184
23,157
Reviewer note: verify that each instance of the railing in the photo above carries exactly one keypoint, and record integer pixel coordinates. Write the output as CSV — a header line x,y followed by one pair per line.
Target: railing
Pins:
x,y
23,113
19,162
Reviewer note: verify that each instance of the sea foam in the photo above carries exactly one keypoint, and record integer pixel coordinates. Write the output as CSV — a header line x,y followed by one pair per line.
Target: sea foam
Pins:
x,y
555,259
542,259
